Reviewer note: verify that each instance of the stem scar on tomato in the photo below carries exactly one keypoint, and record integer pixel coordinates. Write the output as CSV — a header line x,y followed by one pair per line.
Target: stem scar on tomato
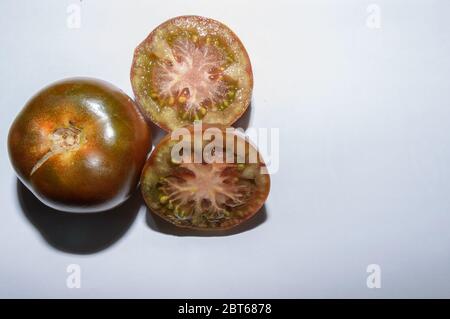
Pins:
x,y
192,68
63,139
204,195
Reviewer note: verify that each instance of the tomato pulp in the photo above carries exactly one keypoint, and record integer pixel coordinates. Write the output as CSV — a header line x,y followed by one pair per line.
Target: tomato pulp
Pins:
x,y
213,193
192,68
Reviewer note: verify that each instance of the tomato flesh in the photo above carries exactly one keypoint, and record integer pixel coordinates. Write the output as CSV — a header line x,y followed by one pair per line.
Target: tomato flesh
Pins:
x,y
204,195
192,68
79,145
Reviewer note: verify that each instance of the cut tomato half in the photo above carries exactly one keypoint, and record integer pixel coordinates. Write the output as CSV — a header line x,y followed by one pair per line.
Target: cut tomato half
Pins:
x,y
192,68
212,193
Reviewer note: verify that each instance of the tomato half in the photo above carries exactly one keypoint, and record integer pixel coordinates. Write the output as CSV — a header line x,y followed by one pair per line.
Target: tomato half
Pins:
x,y
210,193
79,145
192,68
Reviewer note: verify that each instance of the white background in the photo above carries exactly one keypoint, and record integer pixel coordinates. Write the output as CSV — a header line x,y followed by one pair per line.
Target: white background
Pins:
x,y
364,157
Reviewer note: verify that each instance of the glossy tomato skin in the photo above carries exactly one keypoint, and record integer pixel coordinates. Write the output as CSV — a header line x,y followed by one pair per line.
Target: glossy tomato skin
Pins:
x,y
79,145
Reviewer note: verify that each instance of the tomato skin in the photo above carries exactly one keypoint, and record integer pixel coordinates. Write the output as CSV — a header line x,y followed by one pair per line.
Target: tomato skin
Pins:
x,y
79,145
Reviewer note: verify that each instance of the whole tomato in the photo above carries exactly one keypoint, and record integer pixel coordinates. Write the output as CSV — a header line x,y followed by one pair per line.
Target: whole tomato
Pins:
x,y
79,145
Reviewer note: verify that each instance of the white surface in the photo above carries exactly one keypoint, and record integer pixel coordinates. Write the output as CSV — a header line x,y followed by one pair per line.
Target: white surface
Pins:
x,y
364,120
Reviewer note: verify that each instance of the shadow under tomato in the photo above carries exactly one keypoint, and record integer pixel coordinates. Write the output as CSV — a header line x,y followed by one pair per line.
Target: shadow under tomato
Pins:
x,y
79,233
157,133
244,120
160,225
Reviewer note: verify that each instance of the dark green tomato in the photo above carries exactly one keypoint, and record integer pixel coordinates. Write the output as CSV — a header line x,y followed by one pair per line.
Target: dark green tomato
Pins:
x,y
79,145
